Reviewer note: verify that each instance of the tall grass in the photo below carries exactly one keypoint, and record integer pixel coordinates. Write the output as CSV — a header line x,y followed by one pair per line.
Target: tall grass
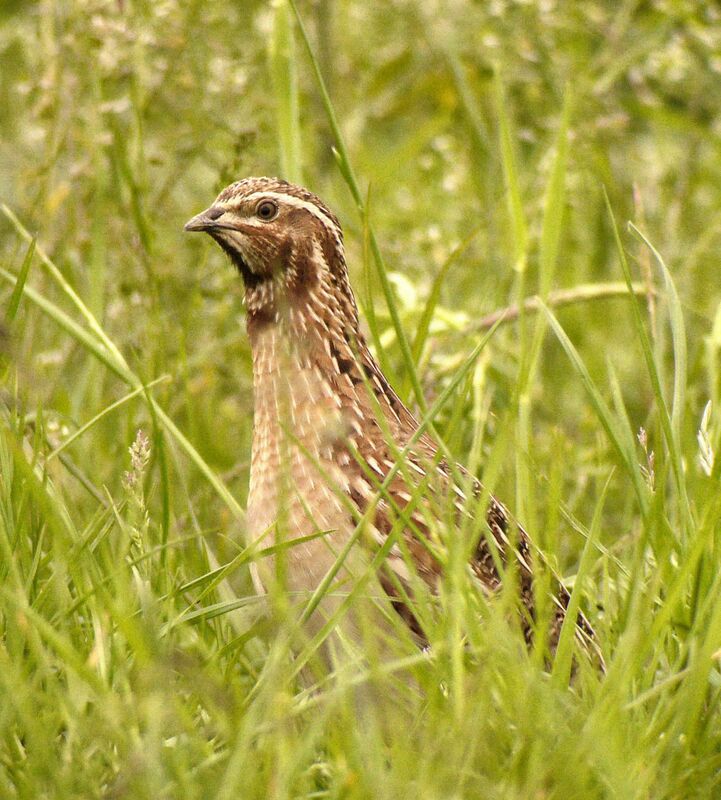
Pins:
x,y
484,165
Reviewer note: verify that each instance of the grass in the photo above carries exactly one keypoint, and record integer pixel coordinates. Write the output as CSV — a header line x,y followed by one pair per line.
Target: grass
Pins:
x,y
530,194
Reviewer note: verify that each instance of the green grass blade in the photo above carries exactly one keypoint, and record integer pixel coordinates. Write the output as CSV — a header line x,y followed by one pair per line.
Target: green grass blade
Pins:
x,y
615,431
562,663
553,211
672,441
678,336
14,302
519,227
284,73
434,295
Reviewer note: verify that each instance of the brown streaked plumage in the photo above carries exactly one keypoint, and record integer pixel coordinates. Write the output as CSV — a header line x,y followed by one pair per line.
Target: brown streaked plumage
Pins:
x,y
328,427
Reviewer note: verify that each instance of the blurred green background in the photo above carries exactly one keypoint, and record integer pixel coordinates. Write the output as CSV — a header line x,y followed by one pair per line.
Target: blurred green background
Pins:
x,y
118,121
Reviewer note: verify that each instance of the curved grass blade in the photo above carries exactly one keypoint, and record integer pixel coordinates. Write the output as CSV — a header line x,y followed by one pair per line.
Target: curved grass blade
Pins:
x,y
672,441
615,431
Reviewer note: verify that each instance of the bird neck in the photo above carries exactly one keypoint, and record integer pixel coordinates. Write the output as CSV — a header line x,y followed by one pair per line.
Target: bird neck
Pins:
x,y
310,357
315,330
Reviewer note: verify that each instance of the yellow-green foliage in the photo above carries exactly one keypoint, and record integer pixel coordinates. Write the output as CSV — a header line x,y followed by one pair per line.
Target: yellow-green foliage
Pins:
x,y
478,154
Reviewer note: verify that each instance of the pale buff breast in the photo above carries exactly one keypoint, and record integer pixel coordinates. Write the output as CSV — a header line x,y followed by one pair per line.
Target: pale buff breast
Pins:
x,y
296,486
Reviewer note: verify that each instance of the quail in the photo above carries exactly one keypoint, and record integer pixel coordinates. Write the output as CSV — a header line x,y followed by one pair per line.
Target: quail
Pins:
x,y
333,444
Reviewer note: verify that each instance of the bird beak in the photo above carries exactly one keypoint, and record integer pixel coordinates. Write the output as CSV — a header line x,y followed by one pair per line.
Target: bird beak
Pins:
x,y
205,221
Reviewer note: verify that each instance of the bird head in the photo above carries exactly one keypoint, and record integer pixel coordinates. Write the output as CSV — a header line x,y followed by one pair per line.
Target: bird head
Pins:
x,y
285,242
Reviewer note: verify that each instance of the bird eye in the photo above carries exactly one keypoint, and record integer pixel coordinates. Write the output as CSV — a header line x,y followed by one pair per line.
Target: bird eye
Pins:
x,y
266,210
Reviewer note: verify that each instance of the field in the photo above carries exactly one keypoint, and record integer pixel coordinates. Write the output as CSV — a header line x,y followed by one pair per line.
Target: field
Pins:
x,y
555,166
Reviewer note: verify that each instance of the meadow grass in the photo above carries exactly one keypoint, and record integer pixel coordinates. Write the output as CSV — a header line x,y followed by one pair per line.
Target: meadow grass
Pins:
x,y
530,194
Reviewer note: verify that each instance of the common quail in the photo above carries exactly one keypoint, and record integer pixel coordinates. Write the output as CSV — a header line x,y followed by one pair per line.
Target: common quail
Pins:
x,y
332,441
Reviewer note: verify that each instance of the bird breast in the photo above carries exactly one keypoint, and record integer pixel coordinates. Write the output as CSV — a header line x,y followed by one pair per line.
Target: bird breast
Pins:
x,y
297,488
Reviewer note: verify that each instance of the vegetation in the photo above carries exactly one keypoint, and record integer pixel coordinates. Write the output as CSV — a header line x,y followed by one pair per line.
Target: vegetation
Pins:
x,y
490,152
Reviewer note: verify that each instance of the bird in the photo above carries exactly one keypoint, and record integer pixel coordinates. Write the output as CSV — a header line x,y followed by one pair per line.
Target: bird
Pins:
x,y
334,448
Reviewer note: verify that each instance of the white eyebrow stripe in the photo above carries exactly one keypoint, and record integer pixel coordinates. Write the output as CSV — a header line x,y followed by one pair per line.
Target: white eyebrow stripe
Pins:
x,y
256,223
291,200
